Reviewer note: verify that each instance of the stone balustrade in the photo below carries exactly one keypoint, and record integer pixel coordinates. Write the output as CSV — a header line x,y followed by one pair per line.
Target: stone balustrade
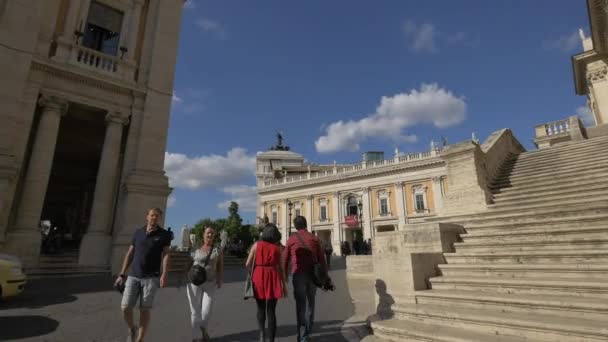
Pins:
x,y
96,60
552,133
354,168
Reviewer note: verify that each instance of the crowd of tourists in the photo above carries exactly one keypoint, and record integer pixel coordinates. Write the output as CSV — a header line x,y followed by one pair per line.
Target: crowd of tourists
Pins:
x,y
267,265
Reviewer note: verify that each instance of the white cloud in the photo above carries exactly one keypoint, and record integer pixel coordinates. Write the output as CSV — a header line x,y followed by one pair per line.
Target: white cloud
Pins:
x,y
176,99
586,115
171,200
566,43
245,195
206,171
212,27
431,105
190,101
421,38
189,4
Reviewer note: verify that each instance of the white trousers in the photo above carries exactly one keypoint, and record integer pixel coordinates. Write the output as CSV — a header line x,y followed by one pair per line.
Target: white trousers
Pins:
x,y
201,302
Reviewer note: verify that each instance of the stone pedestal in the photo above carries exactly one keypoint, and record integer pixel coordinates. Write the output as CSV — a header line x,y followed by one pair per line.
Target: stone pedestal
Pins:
x,y
467,179
403,261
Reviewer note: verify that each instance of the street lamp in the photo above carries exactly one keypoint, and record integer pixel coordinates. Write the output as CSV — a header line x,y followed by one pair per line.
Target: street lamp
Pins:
x,y
289,205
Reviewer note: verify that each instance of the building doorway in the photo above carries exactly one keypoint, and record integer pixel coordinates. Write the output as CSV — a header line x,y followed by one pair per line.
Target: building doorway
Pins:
x,y
69,197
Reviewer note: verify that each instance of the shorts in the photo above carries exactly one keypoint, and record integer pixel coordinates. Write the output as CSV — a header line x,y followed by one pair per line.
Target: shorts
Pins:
x,y
142,288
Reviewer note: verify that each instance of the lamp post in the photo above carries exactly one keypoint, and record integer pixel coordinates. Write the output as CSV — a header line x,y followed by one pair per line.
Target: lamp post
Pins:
x,y
290,206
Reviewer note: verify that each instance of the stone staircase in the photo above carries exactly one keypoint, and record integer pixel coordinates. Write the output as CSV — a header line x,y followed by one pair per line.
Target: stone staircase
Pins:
x,y
532,267
64,264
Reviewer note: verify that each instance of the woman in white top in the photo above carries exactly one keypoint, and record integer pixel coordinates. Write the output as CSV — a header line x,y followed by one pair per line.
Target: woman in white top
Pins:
x,y
201,297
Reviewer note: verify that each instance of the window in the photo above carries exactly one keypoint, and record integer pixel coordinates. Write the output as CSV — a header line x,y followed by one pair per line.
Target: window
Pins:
x,y
420,202
323,213
352,206
384,206
275,214
298,210
102,32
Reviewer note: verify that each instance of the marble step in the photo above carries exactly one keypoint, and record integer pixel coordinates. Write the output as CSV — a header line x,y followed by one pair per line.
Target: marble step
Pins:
x,y
555,200
548,164
530,257
579,288
516,216
533,327
518,303
535,244
525,234
549,223
557,175
409,331
584,272
563,149
552,192
548,183
521,161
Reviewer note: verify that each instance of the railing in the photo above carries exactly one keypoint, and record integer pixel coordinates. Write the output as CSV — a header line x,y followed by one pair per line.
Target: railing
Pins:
x,y
354,168
96,60
557,127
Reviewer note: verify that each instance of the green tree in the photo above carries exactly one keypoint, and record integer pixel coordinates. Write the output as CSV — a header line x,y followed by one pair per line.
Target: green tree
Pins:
x,y
234,222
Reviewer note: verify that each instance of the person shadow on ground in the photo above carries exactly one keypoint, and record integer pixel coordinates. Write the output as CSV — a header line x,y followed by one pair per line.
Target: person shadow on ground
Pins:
x,y
384,309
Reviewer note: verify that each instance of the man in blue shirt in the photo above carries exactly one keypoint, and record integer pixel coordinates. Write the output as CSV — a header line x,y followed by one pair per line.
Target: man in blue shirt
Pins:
x,y
150,245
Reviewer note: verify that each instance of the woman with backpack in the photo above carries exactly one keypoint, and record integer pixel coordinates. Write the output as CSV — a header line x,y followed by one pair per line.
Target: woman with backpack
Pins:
x,y
205,276
268,277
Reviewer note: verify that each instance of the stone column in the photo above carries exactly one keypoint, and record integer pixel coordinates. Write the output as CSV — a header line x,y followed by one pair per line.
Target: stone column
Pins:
x,y
309,211
96,244
437,195
401,210
286,222
335,218
24,241
133,29
367,215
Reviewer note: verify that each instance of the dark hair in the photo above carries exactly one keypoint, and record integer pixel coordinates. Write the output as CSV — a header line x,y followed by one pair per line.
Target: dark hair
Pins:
x,y
299,222
271,233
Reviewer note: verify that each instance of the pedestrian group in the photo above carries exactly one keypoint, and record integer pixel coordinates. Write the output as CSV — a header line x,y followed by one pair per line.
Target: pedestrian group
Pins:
x,y
267,264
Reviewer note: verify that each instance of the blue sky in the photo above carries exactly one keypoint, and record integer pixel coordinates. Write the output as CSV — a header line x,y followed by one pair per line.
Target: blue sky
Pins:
x,y
344,76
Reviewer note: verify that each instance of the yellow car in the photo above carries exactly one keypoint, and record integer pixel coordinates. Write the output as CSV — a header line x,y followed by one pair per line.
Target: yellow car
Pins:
x,y
12,278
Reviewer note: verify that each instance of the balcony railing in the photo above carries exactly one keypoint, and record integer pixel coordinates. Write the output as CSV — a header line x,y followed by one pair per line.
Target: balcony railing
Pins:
x,y
95,60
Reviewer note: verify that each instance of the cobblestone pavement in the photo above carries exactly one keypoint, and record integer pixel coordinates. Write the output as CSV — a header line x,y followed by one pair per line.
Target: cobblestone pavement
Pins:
x,y
83,309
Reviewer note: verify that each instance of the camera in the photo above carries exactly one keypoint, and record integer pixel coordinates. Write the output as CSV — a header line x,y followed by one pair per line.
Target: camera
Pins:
x,y
328,285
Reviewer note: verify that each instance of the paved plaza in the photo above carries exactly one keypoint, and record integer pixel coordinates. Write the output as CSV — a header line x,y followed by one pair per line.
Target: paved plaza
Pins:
x,y
87,309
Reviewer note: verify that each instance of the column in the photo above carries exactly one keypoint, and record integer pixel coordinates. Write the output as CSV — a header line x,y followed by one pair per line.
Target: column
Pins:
x,y
66,38
437,194
401,211
95,245
286,223
367,215
262,212
25,239
131,41
309,211
335,218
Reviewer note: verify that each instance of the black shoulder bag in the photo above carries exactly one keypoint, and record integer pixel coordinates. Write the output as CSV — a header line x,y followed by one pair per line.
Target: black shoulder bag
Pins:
x,y
197,273
319,273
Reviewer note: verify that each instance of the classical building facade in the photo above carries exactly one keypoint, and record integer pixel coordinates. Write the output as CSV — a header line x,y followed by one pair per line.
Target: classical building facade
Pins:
x,y
349,202
85,97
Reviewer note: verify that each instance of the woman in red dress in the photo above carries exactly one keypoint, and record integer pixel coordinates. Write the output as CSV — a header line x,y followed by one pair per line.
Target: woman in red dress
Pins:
x,y
269,278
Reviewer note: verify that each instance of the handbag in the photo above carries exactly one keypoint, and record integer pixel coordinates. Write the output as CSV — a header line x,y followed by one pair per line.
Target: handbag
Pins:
x,y
249,282
198,273
319,273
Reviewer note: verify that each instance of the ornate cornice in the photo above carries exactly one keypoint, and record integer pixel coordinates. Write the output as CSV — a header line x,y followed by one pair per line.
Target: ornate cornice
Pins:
x,y
341,177
598,74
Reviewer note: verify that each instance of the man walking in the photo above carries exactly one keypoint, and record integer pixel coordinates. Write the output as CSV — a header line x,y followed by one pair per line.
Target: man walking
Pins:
x,y
303,249
150,245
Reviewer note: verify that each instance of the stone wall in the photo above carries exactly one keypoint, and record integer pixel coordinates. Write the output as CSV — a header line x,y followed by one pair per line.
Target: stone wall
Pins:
x,y
359,266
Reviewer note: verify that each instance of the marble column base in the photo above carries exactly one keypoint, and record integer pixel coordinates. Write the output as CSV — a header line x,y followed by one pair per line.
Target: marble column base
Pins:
x,y
25,245
95,249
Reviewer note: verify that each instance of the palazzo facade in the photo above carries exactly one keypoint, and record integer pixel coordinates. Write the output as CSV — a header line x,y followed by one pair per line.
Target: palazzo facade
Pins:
x,y
85,97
